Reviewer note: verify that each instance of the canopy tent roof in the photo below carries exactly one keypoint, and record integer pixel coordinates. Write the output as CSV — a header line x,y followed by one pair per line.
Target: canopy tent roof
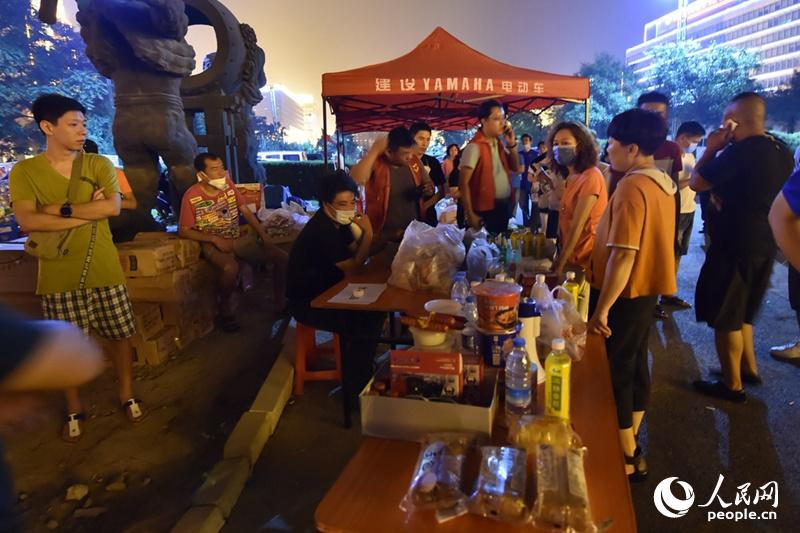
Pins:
x,y
441,81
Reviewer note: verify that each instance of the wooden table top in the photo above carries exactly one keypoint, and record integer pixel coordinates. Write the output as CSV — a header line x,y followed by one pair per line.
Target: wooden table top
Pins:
x,y
377,270
366,495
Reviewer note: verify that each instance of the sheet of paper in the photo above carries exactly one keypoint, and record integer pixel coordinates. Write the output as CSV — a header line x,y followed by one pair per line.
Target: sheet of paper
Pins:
x,y
359,294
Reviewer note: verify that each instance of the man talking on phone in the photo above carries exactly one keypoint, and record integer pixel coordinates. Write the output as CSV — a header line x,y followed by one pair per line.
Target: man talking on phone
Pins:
x,y
486,170
745,169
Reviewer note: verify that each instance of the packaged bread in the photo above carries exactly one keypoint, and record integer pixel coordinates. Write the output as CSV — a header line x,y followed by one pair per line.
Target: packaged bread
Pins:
x,y
500,490
437,477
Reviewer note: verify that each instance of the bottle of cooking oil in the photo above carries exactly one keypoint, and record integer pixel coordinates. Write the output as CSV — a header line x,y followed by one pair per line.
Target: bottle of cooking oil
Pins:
x,y
573,287
538,245
557,369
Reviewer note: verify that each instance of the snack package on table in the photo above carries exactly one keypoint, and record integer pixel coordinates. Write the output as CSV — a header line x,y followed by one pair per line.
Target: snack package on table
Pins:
x,y
428,258
436,484
500,490
562,500
560,319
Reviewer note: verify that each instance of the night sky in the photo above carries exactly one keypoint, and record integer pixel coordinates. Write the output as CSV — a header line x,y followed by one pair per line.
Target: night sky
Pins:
x,y
304,38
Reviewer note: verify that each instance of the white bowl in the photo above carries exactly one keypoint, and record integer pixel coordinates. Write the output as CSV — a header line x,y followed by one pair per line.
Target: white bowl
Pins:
x,y
447,307
427,338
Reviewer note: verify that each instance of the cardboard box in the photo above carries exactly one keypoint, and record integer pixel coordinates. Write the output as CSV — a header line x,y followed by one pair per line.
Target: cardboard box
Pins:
x,y
409,419
156,350
18,270
173,286
147,258
252,195
27,304
186,250
148,319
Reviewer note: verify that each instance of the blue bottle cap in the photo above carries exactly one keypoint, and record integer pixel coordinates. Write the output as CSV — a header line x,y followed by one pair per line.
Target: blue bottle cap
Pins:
x,y
528,308
470,298
519,342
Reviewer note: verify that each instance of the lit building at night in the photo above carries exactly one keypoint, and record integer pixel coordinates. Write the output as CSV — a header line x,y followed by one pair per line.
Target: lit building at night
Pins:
x,y
768,28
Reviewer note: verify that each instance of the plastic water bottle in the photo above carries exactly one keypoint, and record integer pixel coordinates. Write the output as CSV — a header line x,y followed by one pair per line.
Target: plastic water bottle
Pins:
x,y
572,286
540,291
460,289
519,385
557,367
470,310
531,320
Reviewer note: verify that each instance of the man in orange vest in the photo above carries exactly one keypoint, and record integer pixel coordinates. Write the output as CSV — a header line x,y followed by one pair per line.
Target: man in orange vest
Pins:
x,y
398,188
486,170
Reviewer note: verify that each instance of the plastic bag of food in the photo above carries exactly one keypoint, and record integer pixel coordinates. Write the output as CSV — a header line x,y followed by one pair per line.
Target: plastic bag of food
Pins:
x,y
437,477
560,319
482,255
562,500
500,490
428,257
446,210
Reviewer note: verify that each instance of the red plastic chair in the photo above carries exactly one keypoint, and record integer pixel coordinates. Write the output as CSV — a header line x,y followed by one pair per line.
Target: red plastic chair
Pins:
x,y
307,351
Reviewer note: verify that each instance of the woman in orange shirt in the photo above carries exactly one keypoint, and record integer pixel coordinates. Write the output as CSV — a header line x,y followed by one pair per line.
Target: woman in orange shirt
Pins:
x,y
575,156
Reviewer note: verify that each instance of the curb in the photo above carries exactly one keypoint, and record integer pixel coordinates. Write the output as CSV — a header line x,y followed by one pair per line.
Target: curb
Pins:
x,y
213,501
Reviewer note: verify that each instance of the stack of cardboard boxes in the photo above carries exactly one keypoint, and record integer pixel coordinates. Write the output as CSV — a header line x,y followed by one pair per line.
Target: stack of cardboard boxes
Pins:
x,y
172,291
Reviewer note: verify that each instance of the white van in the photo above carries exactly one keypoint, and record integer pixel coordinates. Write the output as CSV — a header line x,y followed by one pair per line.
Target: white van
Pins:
x,y
282,156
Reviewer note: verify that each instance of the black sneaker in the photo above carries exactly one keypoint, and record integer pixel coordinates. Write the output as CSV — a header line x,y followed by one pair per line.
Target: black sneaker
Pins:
x,y
718,389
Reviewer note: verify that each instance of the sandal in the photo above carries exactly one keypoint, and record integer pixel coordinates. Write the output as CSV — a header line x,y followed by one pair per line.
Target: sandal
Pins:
x,y
134,410
639,464
73,428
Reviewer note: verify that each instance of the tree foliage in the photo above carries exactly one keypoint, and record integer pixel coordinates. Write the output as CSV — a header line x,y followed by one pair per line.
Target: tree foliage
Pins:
x,y
701,82
38,58
784,106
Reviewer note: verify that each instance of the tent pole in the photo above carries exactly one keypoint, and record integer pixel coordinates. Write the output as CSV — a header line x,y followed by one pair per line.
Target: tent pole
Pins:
x,y
324,133
586,110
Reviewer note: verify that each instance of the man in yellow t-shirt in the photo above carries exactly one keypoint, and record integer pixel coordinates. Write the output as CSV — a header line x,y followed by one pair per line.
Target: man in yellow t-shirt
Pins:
x,y
86,286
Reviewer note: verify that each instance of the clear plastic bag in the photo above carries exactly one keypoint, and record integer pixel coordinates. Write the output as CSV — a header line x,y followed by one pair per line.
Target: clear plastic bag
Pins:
x,y
481,258
428,258
560,319
436,484
500,490
562,500
446,210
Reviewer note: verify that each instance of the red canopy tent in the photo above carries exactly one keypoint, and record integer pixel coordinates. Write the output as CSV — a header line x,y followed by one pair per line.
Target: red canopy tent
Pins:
x,y
441,81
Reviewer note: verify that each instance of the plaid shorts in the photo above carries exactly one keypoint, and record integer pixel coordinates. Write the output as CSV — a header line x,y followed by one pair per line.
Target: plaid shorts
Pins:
x,y
107,310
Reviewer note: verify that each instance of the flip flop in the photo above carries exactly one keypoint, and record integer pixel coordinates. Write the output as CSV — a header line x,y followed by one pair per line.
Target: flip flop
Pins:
x,y
73,428
134,410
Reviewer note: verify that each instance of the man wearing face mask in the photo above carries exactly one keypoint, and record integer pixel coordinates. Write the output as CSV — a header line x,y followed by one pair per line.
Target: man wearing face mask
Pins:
x,y
745,169
210,212
486,170
335,241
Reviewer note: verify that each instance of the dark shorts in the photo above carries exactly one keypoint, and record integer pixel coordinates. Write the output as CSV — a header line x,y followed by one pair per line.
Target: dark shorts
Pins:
x,y
685,225
730,289
496,220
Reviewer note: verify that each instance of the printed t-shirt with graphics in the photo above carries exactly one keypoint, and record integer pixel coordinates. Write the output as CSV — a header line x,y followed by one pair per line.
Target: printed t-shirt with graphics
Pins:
x,y
213,213
36,180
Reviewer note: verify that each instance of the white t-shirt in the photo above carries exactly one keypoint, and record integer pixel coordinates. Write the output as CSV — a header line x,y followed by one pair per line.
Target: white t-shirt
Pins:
x,y
688,204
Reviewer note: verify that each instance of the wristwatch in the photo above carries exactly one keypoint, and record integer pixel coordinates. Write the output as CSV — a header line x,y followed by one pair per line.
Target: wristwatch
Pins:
x,y
66,209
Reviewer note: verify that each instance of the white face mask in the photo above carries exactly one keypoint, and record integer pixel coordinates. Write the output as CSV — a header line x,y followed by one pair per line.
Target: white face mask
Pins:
x,y
219,183
692,147
345,217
